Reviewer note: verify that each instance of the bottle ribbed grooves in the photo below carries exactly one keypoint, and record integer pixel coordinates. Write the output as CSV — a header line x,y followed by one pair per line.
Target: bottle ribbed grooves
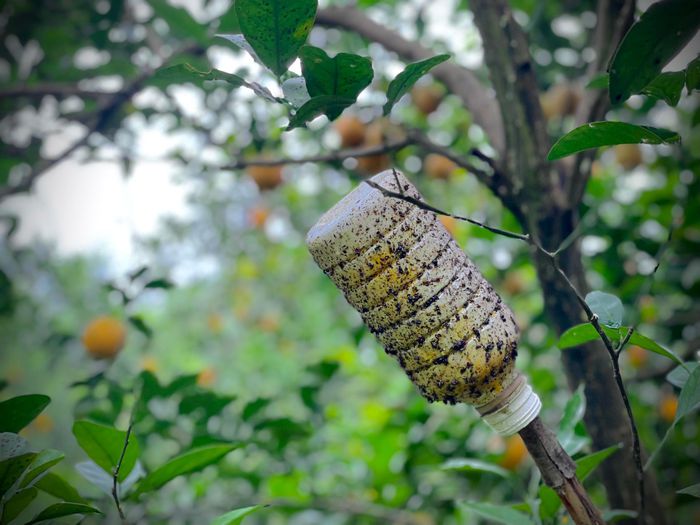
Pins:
x,y
513,409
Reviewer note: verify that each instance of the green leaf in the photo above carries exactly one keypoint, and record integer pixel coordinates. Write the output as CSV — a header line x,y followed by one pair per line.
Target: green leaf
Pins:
x,y
679,375
607,307
689,398
573,414
235,517
17,412
615,515
497,513
276,29
42,462
17,503
254,407
692,75
587,464
584,467
404,81
58,487
692,490
585,333
59,510
186,463
645,50
597,134
474,465
187,73
104,444
137,322
323,105
667,87
208,403
11,470
162,283
600,81
344,75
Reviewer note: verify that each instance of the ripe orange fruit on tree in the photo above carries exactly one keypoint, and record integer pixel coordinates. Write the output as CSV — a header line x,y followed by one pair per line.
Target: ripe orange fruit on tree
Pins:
x,y
266,177
629,156
668,406
426,98
351,130
515,453
438,167
104,337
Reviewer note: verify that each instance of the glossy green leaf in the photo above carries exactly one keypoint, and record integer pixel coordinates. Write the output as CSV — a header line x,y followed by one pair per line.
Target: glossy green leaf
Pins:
x,y
689,398
497,513
570,437
549,502
474,465
276,29
587,464
42,462
56,486
597,134
667,87
186,463
344,75
104,444
585,333
188,73
692,490
11,470
137,322
17,412
692,75
59,510
14,506
235,517
607,307
645,49
323,105
405,80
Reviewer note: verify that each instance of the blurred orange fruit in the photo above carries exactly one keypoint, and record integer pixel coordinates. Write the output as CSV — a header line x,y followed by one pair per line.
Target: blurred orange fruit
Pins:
x,y
668,406
104,337
206,377
637,356
258,216
373,164
560,100
269,323
43,423
513,283
515,453
438,166
450,224
351,131
266,177
150,364
629,156
426,98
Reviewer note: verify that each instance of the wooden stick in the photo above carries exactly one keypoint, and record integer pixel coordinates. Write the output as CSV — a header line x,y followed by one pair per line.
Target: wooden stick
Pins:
x,y
559,472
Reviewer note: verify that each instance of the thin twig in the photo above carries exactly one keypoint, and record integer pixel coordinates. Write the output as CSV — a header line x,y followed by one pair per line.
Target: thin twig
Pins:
x,y
115,474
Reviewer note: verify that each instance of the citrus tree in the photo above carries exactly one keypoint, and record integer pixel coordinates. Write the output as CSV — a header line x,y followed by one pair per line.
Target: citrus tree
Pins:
x,y
275,108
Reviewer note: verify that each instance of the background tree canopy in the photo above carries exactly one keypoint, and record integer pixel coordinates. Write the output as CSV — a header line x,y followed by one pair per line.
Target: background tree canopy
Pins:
x,y
204,370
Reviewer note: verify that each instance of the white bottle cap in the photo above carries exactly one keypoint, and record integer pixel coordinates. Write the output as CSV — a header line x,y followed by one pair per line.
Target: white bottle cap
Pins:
x,y
514,409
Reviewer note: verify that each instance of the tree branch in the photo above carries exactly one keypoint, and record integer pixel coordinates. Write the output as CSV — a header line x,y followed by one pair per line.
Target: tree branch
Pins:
x,y
459,80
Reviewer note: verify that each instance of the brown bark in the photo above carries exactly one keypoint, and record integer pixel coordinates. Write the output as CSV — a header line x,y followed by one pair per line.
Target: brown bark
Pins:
x,y
559,472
